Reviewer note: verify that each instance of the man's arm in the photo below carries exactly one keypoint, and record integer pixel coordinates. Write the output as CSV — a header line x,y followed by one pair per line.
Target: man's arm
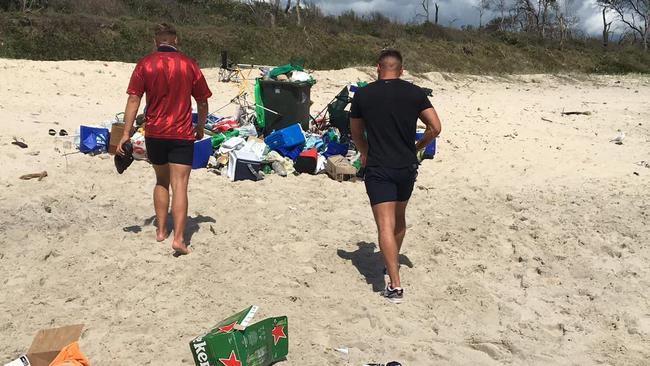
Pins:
x,y
130,112
358,129
432,121
202,107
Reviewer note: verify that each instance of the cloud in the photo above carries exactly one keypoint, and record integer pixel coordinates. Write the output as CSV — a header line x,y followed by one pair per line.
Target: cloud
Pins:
x,y
456,12
591,20
452,12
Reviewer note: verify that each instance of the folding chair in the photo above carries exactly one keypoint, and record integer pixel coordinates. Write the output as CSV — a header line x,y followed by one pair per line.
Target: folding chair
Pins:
x,y
336,115
228,71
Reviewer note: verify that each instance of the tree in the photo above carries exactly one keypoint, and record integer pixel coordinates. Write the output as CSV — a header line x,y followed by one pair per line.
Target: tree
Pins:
x,y
606,27
426,4
564,22
437,9
502,7
633,13
298,19
275,8
527,15
544,7
482,6
287,9
534,15
23,5
426,7
258,9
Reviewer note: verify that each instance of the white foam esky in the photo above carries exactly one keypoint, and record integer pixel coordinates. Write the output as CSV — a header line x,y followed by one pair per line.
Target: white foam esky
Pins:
x,y
452,12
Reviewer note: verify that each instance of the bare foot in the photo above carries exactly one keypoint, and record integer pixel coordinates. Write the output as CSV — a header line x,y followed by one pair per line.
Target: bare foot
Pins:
x,y
180,248
161,236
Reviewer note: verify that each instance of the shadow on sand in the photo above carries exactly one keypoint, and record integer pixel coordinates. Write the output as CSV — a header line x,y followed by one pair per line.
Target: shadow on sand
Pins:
x,y
370,263
193,225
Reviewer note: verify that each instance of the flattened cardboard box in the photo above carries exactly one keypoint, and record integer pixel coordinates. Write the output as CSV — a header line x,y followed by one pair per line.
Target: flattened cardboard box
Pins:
x,y
117,129
47,344
233,342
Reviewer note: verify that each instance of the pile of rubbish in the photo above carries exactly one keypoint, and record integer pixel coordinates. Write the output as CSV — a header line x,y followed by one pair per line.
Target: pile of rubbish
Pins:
x,y
238,152
273,135
241,155
235,146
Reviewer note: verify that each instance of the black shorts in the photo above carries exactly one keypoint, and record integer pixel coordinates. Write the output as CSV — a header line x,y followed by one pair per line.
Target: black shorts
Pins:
x,y
163,151
390,184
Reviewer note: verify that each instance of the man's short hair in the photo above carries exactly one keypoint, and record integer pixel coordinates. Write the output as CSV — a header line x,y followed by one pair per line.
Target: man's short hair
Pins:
x,y
164,31
390,59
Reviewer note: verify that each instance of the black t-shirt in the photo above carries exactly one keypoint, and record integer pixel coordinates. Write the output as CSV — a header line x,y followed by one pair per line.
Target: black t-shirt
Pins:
x,y
390,110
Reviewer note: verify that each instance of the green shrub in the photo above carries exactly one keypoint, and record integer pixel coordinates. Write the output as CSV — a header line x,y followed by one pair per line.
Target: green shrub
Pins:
x,y
120,30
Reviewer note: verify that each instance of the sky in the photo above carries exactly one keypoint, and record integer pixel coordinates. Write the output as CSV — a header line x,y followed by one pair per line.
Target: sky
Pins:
x,y
452,12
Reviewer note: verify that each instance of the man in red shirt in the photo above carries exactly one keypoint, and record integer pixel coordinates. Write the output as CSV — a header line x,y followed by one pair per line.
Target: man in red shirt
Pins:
x,y
170,79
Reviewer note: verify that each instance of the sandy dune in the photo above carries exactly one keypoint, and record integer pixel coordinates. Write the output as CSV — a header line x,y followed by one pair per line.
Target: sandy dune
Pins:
x,y
528,244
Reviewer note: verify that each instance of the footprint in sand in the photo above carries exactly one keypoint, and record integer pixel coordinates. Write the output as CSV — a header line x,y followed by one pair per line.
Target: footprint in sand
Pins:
x,y
496,350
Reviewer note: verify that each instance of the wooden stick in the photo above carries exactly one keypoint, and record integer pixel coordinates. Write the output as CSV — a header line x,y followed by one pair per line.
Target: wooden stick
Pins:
x,y
40,176
576,113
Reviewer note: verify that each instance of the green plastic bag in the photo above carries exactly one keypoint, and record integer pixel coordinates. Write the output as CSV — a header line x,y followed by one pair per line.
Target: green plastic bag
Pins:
x,y
259,105
285,69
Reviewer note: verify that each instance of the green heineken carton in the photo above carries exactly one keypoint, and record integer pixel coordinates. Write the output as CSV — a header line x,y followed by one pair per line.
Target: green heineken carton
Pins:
x,y
234,342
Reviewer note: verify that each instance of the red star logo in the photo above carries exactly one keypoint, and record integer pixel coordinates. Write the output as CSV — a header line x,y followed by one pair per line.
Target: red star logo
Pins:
x,y
278,332
227,328
231,361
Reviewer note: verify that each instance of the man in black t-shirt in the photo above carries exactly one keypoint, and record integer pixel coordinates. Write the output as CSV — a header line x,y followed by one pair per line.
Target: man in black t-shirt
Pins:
x,y
383,122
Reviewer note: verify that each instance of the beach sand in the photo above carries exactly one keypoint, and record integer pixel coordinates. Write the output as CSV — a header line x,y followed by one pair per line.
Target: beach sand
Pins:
x,y
528,239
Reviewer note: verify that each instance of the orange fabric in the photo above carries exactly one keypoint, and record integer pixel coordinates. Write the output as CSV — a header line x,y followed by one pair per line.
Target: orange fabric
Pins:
x,y
70,355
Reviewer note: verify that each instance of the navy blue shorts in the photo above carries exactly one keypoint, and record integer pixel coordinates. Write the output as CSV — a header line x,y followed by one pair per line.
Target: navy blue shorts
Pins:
x,y
162,151
390,184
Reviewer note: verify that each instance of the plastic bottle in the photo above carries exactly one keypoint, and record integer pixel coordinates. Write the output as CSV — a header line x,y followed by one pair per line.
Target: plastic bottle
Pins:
x,y
220,138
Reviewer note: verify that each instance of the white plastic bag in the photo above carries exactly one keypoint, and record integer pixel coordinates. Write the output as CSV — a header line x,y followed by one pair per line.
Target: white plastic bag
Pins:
x,y
255,147
234,143
139,146
247,130
300,76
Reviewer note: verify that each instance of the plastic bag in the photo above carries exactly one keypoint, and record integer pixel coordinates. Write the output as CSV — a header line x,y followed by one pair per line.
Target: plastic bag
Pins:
x,y
247,130
256,147
300,76
139,146
234,143
70,355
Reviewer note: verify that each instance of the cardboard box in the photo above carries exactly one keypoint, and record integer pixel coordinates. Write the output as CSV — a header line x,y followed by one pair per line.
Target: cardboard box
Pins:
x,y
340,169
47,344
233,342
117,130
